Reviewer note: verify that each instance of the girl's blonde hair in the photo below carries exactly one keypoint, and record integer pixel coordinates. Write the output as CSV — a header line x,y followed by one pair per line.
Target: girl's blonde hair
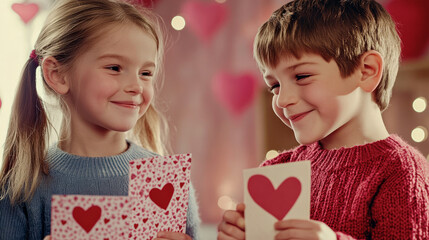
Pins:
x,y
72,27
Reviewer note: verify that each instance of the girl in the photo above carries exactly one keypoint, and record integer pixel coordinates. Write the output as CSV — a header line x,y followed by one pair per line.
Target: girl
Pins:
x,y
100,59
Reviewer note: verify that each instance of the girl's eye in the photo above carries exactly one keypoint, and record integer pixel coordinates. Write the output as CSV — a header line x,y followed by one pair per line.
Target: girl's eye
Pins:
x,y
146,74
303,76
114,68
274,88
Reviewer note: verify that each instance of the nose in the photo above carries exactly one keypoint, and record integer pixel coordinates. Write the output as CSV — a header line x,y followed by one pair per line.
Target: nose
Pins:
x,y
287,96
134,85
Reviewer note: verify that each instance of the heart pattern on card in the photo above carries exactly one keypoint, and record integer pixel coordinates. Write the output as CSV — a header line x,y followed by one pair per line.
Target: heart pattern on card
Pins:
x,y
87,218
162,197
277,202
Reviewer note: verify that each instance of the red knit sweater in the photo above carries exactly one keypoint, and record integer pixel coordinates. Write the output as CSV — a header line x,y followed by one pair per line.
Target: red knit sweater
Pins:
x,y
375,191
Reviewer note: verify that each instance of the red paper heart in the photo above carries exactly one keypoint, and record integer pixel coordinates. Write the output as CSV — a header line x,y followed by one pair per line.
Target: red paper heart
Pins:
x,y
204,18
87,219
26,11
278,201
162,197
235,92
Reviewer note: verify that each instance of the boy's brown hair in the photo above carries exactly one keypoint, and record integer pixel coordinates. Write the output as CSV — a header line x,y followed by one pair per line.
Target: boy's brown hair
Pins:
x,y
336,29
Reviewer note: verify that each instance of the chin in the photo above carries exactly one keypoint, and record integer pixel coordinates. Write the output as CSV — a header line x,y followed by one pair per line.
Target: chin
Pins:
x,y
303,140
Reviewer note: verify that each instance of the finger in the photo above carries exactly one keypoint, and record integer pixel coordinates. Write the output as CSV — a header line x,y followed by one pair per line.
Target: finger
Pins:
x,y
223,236
296,223
173,235
235,218
295,233
47,237
240,207
231,231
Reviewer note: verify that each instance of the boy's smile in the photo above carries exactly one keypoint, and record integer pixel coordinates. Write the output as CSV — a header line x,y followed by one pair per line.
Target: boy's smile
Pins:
x,y
311,97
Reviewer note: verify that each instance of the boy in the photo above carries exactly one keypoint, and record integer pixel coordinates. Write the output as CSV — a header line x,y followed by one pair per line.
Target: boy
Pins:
x,y
331,65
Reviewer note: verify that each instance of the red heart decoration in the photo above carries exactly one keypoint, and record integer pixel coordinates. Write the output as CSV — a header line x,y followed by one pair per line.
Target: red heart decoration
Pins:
x,y
162,197
278,201
26,11
235,92
204,18
87,219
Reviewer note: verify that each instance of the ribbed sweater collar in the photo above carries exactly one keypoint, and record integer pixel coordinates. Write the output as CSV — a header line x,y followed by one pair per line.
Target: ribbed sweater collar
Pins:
x,y
345,157
91,167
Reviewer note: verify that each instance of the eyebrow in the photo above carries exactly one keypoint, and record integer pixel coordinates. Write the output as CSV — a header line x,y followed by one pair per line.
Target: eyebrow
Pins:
x,y
293,67
120,57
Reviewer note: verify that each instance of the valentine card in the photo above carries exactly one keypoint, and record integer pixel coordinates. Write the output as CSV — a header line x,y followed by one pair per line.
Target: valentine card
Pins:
x,y
275,193
80,217
161,185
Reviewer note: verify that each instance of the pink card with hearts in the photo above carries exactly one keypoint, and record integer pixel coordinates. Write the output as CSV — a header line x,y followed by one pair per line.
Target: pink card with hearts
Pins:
x,y
81,217
161,185
275,193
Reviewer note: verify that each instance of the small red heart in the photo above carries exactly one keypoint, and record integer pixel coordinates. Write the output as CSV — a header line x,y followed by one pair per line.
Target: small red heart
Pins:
x,y
148,179
278,201
63,222
26,11
124,216
87,218
106,220
138,166
162,197
133,176
145,220
136,225
181,184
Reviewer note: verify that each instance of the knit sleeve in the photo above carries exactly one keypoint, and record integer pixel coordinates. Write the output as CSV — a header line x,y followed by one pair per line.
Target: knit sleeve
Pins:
x,y
193,218
401,208
13,220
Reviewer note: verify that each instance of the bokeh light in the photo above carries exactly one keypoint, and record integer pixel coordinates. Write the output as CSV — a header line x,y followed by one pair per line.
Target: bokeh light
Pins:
x,y
419,134
178,23
420,104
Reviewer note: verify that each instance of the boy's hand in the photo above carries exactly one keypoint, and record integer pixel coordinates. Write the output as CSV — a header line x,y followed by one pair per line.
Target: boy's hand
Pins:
x,y
172,236
303,229
232,225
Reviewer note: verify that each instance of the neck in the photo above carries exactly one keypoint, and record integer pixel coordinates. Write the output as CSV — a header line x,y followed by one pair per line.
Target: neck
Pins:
x,y
366,127
93,143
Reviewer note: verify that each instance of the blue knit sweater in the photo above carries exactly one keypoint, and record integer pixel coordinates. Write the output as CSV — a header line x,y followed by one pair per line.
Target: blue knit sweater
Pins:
x,y
70,174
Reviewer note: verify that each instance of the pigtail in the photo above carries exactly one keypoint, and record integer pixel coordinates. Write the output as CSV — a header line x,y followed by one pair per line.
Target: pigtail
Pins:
x,y
24,150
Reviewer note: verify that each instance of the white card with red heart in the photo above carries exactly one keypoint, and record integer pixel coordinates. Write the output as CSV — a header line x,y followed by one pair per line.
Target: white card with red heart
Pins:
x,y
275,193
79,217
161,185
157,201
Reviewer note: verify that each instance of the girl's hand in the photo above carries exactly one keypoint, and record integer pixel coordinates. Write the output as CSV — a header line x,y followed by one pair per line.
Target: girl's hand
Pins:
x,y
232,225
172,236
304,229
47,237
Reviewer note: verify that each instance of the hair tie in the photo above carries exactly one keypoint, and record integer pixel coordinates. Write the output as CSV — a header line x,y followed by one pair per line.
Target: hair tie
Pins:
x,y
34,57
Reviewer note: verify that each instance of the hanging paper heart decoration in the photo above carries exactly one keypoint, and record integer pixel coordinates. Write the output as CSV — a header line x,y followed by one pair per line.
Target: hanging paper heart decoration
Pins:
x,y
410,16
26,11
235,92
204,18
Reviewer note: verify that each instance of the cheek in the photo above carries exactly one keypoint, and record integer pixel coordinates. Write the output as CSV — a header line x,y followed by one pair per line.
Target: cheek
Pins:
x,y
148,93
279,112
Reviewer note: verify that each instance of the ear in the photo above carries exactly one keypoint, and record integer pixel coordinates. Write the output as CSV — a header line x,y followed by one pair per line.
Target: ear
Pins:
x,y
53,77
371,67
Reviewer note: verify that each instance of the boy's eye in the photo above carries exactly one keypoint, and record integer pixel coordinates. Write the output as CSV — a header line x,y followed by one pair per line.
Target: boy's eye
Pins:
x,y
274,88
114,68
303,76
